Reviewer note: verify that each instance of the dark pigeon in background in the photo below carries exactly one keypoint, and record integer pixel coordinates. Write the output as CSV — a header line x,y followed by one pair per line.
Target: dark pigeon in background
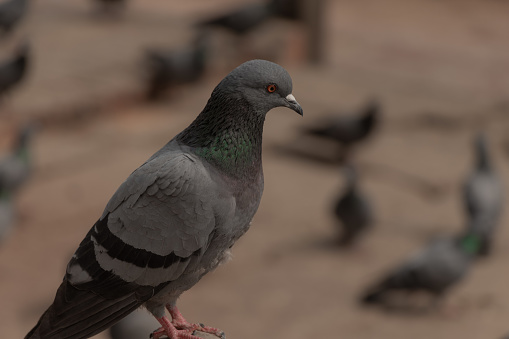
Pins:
x,y
175,67
6,213
242,20
11,13
176,217
288,9
435,269
111,7
352,209
483,196
13,71
15,167
348,129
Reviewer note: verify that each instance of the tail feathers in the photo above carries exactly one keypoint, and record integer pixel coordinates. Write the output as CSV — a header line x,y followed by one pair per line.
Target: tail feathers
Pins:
x,y
77,314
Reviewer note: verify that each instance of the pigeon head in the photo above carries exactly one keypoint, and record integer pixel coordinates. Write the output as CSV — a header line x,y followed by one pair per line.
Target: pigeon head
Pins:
x,y
263,84
228,132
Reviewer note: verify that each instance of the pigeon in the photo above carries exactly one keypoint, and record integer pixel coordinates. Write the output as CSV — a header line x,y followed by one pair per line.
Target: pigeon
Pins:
x,y
11,12
135,326
174,218
352,209
15,168
111,7
348,129
435,269
12,71
288,9
6,213
483,196
244,19
175,67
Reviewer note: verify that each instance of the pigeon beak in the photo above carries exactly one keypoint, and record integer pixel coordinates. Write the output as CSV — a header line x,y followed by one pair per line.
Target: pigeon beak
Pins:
x,y
293,104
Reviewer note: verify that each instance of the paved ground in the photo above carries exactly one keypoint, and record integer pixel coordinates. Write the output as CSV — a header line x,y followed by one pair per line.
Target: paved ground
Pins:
x,y
441,69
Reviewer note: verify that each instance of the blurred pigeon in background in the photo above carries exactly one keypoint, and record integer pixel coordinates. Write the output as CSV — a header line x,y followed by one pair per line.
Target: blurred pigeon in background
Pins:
x,y
175,67
288,9
13,71
240,21
11,13
112,7
483,196
6,213
352,209
348,129
135,326
176,217
15,167
435,269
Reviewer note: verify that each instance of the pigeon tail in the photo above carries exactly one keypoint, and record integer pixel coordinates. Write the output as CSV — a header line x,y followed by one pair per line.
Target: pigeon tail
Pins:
x,y
67,319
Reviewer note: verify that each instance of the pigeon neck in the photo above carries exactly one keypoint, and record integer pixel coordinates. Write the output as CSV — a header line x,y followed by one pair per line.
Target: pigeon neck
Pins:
x,y
470,243
228,134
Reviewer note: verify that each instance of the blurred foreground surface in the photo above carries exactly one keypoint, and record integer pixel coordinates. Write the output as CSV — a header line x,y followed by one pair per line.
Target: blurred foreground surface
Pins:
x,y
441,71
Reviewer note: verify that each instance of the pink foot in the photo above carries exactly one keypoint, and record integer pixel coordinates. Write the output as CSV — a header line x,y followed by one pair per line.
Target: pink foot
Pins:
x,y
171,332
178,320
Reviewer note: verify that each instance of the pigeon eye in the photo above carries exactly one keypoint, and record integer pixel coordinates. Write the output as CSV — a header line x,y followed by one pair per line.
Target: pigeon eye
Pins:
x,y
271,88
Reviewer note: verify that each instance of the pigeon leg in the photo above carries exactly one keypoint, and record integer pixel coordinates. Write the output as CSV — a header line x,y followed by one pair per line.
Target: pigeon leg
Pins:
x,y
169,330
178,320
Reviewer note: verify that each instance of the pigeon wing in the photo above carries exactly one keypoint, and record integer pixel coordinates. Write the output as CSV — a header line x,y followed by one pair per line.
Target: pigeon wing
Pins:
x,y
158,224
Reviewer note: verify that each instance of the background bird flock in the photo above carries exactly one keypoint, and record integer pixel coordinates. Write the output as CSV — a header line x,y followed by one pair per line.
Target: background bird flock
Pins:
x,y
345,146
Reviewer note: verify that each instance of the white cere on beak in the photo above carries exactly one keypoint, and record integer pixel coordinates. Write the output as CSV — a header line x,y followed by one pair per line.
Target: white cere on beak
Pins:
x,y
290,97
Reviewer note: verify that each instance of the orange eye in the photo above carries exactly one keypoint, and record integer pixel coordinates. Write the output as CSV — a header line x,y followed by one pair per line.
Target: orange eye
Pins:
x,y
271,88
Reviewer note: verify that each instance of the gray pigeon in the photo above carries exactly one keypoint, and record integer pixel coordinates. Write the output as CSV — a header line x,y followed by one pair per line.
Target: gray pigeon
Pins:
x,y
176,217
352,209
483,196
348,129
6,213
435,269
12,71
110,7
289,9
175,67
15,167
243,19
11,13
